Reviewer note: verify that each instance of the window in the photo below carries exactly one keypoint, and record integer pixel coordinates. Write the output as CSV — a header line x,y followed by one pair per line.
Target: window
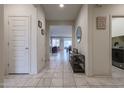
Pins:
x,y
67,42
55,42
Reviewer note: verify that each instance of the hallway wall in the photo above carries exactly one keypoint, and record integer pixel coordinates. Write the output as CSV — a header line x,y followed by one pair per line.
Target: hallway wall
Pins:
x,y
84,46
1,42
41,39
95,44
82,22
101,45
102,39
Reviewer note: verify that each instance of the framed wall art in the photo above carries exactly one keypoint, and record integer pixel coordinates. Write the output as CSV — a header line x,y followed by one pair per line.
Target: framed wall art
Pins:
x,y
39,24
42,32
101,22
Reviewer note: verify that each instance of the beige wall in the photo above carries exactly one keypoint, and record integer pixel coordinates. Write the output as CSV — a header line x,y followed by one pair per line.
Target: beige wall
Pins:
x,y
101,45
73,36
41,39
83,46
1,43
96,44
82,22
102,39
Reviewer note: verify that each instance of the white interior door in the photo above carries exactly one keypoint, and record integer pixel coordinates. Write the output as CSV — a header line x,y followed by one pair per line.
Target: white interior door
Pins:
x,y
19,44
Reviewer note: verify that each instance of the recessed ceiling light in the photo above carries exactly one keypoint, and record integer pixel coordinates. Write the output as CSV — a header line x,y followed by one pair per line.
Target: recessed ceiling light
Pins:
x,y
61,5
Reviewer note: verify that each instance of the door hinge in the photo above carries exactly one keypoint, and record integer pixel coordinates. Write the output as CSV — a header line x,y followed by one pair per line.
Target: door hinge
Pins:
x,y
8,22
8,65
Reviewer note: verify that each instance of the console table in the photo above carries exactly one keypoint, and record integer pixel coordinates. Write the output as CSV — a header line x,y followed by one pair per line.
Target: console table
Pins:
x,y
77,62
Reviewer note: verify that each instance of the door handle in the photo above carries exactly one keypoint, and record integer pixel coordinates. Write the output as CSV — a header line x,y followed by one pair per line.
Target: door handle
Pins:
x,y
26,48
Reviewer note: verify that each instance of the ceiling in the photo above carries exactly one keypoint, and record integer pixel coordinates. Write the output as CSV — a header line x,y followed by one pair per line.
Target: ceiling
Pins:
x,y
61,31
68,12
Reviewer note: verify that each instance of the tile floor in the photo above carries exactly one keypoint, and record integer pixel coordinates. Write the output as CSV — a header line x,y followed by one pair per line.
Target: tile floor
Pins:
x,y
58,74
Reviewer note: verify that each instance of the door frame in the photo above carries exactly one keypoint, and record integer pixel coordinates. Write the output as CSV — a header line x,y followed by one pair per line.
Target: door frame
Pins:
x,y
29,42
110,23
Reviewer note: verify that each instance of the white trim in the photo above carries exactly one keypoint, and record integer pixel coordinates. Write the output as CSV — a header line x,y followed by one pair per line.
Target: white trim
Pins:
x,y
110,43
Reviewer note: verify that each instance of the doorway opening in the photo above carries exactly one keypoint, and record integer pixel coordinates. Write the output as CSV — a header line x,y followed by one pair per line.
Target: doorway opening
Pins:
x,y
67,44
60,38
117,46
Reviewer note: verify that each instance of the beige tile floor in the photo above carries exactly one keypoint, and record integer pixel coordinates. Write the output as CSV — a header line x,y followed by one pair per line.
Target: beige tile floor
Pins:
x,y
58,74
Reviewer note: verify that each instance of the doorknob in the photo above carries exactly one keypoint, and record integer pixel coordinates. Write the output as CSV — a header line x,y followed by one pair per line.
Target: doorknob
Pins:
x,y
26,48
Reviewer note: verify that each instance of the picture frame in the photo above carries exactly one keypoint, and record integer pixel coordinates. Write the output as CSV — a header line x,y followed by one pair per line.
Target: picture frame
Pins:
x,y
39,24
42,32
101,22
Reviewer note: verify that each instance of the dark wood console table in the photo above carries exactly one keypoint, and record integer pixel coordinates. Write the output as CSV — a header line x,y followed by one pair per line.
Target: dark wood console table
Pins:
x,y
77,62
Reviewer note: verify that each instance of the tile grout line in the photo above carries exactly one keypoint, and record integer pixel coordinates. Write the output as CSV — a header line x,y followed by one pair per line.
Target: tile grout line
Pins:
x,y
38,83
